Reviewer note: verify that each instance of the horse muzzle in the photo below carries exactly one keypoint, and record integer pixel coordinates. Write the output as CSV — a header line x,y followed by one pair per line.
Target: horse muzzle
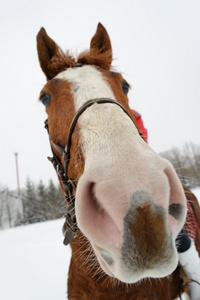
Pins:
x,y
132,226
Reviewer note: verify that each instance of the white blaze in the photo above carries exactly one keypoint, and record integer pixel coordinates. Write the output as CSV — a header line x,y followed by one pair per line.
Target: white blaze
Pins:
x,y
87,83
105,128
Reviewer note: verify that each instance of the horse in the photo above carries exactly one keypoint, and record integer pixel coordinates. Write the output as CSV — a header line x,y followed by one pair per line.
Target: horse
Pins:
x,y
125,204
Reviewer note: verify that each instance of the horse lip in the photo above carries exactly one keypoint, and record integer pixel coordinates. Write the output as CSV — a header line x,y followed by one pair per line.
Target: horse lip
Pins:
x,y
105,255
103,264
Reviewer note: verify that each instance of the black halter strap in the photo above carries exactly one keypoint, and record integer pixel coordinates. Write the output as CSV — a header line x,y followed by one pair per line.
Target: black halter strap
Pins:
x,y
70,226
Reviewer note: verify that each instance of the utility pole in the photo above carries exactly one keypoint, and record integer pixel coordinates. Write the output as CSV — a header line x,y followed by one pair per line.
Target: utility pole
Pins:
x,y
17,171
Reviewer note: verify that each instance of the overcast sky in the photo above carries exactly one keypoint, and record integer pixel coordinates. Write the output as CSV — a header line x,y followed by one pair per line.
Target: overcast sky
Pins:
x,y
156,45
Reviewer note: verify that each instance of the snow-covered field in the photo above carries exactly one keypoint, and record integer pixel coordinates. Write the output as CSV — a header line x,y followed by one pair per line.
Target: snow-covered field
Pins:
x,y
34,262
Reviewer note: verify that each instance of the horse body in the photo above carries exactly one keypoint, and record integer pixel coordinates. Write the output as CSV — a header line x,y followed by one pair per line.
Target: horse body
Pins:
x,y
130,205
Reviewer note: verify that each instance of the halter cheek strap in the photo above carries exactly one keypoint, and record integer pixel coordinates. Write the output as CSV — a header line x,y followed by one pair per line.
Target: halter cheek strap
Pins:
x,y
70,227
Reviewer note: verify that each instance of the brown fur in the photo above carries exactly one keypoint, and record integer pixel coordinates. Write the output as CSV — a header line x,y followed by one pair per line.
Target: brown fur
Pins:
x,y
153,230
85,279
62,109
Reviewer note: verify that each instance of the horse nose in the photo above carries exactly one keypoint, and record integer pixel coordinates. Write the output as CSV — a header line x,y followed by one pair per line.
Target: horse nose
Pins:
x,y
135,221
148,245
107,203
150,229
146,233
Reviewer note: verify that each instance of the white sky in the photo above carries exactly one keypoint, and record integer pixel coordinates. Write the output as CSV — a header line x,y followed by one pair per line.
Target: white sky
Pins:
x,y
156,45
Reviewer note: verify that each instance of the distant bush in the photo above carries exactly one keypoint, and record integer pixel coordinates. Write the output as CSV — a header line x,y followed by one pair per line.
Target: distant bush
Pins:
x,y
186,162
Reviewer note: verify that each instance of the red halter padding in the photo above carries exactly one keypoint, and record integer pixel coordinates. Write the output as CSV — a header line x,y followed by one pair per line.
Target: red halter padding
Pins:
x,y
190,223
141,125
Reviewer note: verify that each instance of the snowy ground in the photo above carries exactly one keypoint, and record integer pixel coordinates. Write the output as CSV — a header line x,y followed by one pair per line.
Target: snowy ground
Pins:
x,y
34,262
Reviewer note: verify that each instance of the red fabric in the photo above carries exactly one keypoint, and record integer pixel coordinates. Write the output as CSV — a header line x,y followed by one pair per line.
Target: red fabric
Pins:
x,y
141,125
190,223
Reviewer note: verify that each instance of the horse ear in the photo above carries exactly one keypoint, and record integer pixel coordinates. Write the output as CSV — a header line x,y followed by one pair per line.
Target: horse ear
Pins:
x,y
48,52
101,44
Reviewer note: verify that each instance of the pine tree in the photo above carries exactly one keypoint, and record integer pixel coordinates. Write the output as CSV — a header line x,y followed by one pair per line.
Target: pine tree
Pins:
x,y
41,202
30,203
54,201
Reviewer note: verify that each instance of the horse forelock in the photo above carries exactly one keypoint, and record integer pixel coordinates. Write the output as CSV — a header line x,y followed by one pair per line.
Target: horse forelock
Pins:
x,y
92,57
61,61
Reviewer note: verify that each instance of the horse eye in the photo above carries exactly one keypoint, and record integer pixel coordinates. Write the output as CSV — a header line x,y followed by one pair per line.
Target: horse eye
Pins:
x,y
46,99
125,87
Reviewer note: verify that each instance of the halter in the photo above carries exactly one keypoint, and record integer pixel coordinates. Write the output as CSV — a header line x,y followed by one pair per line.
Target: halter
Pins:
x,y
70,227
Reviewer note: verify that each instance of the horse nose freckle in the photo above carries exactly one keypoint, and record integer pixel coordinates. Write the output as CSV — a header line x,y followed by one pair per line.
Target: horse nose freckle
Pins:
x,y
176,210
76,89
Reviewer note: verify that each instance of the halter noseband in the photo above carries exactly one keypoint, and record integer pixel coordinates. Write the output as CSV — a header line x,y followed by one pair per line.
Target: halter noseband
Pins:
x,y
70,226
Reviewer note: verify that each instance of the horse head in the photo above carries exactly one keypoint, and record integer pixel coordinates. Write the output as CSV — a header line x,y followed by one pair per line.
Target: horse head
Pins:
x,y
129,203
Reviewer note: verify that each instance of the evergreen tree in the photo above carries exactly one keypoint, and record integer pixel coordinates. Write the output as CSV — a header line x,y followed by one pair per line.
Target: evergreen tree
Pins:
x,y
54,201
29,203
41,202
61,202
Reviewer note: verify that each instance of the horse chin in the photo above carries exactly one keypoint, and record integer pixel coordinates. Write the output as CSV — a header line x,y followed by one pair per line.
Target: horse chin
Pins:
x,y
116,269
164,270
127,276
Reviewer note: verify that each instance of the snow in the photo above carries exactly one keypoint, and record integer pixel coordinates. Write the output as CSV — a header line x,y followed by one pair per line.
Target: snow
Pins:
x,y
34,262
196,192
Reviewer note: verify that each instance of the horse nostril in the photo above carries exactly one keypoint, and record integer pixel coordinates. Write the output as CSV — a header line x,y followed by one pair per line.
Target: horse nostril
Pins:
x,y
177,200
177,211
94,201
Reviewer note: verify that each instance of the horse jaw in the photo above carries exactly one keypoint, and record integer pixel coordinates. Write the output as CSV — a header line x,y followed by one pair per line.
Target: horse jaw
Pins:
x,y
123,180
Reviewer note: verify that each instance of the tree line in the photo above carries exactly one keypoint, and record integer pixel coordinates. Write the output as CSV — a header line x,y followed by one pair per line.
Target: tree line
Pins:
x,y
186,162
36,203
